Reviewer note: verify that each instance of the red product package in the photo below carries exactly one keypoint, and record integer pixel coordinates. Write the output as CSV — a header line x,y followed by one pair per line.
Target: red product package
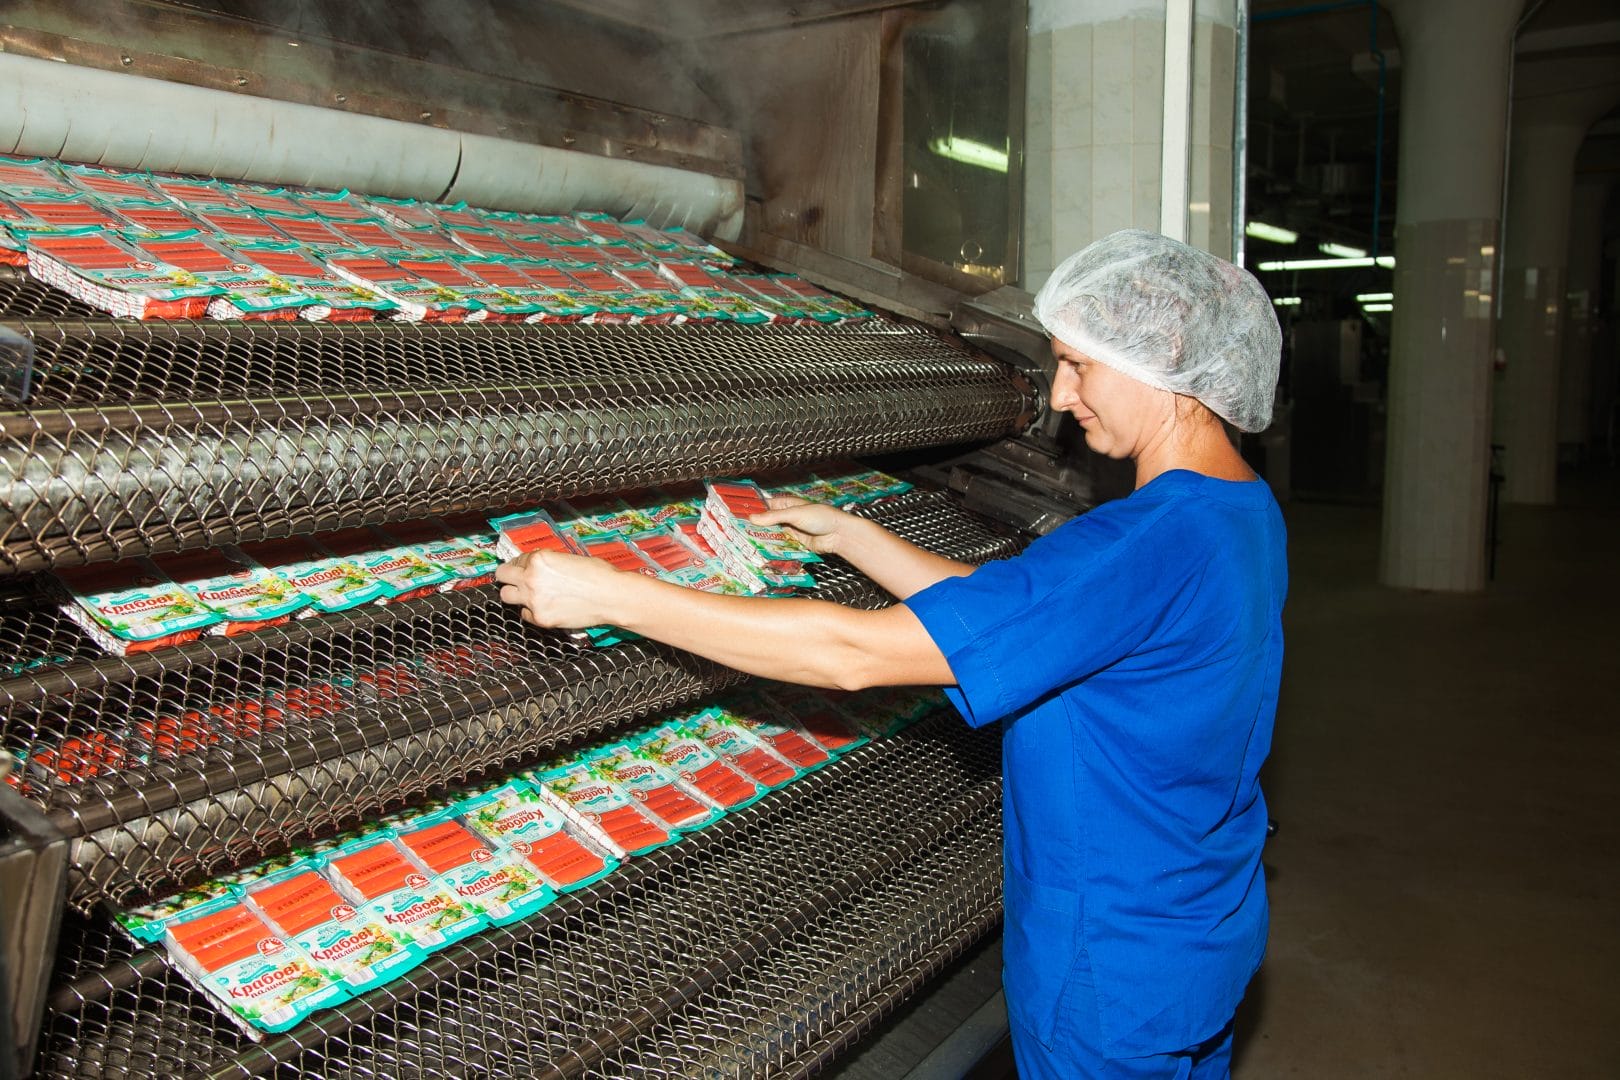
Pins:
x,y
299,903
268,200
444,846
778,731
667,551
98,181
196,194
308,230
157,217
531,530
65,212
75,760
22,178
700,767
621,556
235,225
369,234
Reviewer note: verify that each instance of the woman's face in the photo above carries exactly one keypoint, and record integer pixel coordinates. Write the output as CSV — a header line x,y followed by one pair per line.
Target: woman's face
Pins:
x,y
1120,415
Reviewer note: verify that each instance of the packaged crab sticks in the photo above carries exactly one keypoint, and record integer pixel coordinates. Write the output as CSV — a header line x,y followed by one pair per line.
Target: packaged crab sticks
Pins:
x,y
194,194
355,952
291,266
657,788
245,291
376,876
699,767
467,554
767,550
527,824
602,809
415,299
817,714
131,607
602,517
75,760
247,597
404,574
731,740
265,983
332,584
94,266
531,530
499,885
26,177
786,738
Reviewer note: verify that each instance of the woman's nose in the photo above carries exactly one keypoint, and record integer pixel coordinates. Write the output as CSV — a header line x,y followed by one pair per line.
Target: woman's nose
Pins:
x,y
1065,387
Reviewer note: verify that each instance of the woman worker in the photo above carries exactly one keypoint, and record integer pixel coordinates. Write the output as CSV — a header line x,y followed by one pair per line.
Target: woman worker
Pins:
x,y
1133,656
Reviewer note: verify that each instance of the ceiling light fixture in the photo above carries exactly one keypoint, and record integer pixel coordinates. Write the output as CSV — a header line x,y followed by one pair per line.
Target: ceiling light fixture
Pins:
x,y
1343,251
1261,231
1377,307
1373,297
969,152
1285,301
1386,261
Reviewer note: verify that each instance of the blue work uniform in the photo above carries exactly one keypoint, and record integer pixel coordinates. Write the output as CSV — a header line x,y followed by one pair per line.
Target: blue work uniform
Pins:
x,y
1134,655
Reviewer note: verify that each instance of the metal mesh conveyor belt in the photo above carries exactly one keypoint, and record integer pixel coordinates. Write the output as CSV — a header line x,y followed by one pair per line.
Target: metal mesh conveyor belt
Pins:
x,y
491,693
154,437
755,948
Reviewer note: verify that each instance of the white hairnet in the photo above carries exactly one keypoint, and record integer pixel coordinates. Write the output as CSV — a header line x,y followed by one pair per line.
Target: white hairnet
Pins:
x,y
1171,316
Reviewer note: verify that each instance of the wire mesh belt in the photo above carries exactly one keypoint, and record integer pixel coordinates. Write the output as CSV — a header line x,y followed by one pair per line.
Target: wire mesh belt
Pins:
x,y
228,787
754,948
145,438
23,297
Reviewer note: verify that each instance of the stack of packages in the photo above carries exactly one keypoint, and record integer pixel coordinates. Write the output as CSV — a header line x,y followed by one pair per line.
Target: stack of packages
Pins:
x,y
151,246
289,937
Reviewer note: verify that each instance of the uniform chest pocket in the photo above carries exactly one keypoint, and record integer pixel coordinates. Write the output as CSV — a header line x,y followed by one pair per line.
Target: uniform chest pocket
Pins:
x,y
1040,951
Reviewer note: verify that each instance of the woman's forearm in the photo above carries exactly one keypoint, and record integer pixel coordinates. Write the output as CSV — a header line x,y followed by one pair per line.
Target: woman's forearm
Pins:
x,y
796,640
897,566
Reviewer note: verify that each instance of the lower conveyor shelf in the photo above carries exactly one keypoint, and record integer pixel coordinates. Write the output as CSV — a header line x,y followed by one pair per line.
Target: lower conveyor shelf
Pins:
x,y
759,947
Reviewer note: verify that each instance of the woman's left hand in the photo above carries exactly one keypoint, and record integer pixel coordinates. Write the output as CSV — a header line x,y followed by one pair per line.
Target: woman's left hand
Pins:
x,y
568,592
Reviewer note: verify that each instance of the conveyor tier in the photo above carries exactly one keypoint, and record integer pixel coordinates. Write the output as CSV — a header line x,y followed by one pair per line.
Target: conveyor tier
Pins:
x,y
490,694
142,438
758,947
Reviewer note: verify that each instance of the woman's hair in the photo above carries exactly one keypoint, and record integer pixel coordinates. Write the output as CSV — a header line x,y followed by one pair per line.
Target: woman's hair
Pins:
x,y
1173,317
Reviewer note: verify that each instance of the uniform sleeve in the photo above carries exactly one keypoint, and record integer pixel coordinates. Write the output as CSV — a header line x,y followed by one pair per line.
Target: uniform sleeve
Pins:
x,y
1074,602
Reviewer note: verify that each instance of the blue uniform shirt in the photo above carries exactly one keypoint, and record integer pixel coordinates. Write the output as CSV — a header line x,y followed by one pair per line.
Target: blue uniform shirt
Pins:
x,y
1134,655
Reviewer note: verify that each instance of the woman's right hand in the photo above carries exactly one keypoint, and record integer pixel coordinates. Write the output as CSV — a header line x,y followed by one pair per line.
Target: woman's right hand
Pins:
x,y
815,525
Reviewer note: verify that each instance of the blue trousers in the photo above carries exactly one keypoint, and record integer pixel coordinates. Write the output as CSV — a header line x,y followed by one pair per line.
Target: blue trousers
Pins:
x,y
1077,1055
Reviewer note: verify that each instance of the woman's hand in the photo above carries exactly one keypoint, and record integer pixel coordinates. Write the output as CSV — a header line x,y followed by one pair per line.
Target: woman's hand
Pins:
x,y
568,592
815,525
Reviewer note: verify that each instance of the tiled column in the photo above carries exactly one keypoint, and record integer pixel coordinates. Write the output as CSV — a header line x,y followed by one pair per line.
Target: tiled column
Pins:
x,y
1555,102
1581,297
1093,123
1454,56
1536,241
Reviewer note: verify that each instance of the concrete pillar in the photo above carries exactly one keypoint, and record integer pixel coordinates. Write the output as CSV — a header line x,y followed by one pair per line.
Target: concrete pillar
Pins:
x,y
1583,293
1454,59
1557,100
1093,125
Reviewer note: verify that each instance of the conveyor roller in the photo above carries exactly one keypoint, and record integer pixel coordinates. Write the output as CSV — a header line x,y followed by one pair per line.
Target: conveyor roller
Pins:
x,y
156,437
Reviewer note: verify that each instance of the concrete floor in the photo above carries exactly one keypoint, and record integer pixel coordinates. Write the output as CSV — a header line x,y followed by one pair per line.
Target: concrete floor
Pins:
x,y
1445,883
